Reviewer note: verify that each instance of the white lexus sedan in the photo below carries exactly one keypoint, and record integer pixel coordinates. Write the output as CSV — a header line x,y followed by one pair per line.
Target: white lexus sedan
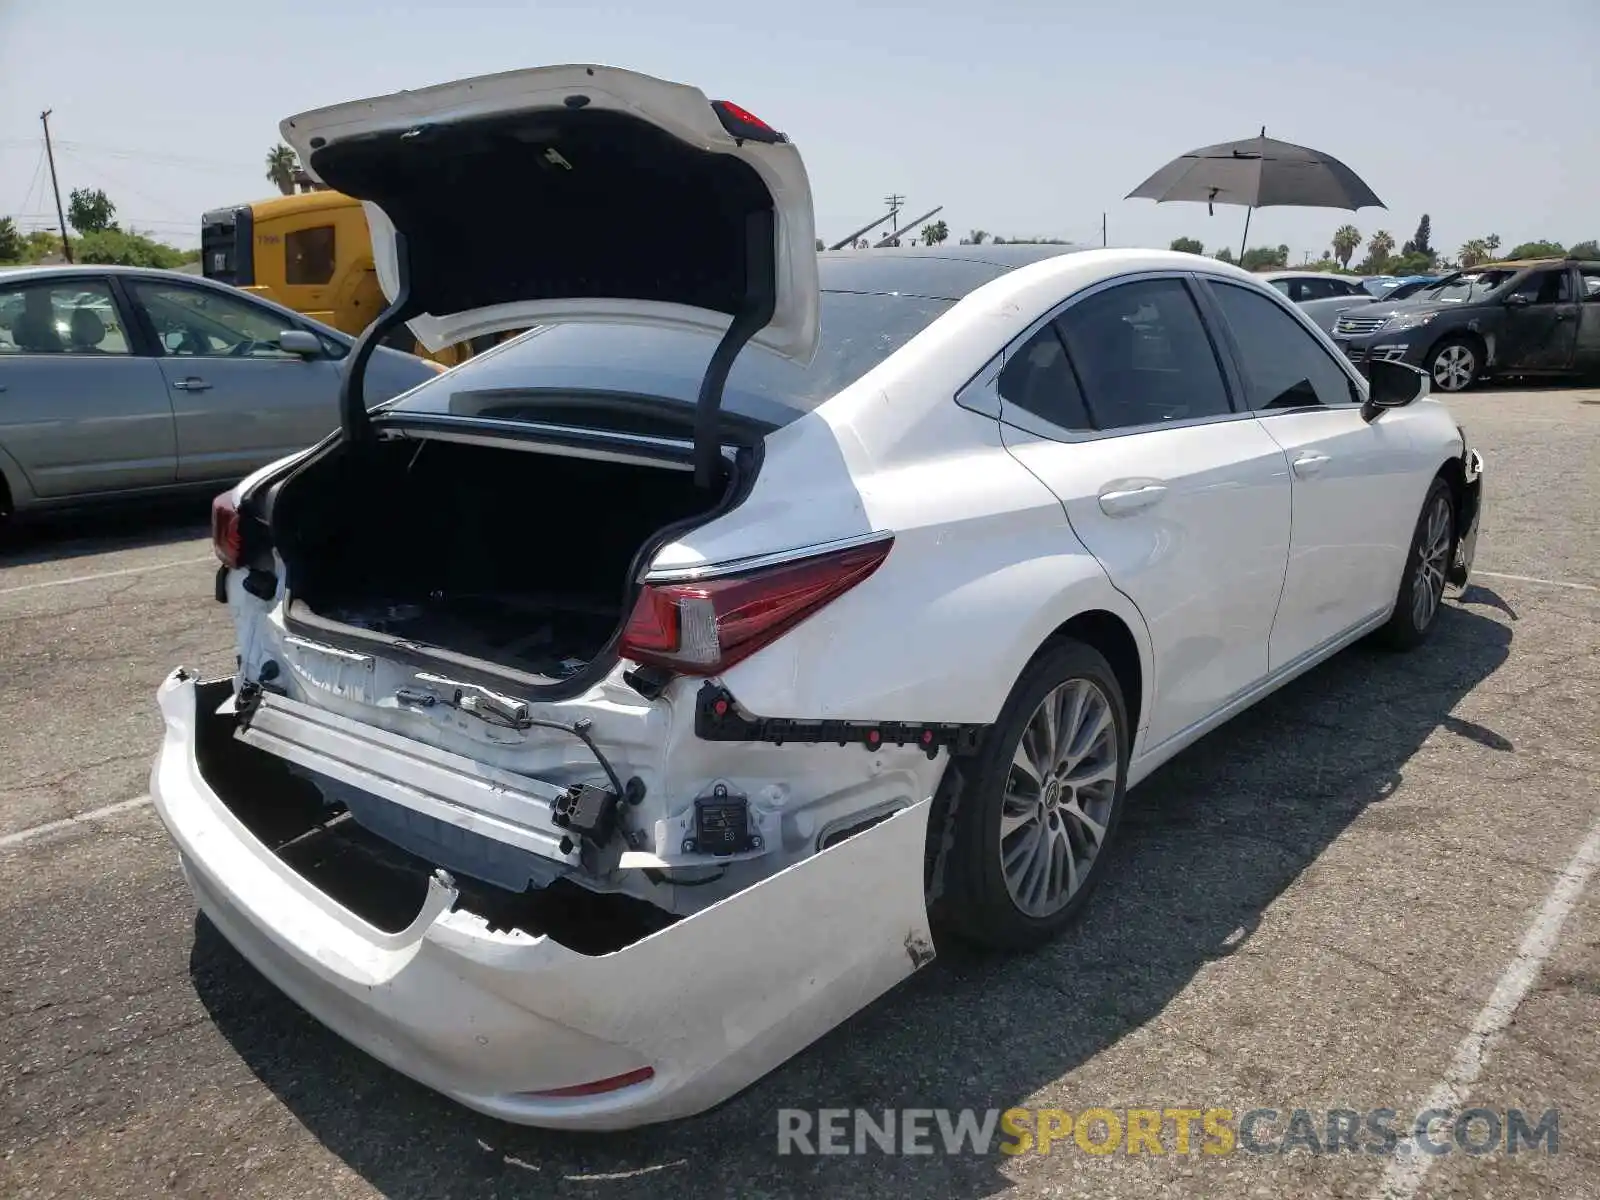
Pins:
x,y
620,711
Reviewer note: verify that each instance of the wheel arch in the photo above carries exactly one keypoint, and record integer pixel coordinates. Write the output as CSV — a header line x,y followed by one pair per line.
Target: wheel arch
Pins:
x,y
1110,635
1463,334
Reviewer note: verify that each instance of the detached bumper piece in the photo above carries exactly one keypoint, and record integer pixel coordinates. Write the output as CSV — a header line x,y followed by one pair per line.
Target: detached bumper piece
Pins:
x,y
1471,516
717,719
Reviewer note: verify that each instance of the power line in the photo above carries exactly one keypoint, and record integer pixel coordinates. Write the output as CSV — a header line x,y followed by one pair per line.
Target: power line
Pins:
x,y
33,182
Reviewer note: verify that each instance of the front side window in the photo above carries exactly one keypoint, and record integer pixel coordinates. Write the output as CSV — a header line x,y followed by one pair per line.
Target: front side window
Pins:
x,y
1283,365
72,316
1142,355
1546,287
308,255
200,323
1591,285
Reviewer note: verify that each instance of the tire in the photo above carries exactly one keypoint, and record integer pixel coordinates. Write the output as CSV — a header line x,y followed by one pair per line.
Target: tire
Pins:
x,y
1455,364
1427,566
977,903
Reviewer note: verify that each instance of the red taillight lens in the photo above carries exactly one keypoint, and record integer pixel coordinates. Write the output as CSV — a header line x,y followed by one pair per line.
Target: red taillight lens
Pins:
x,y
226,537
705,627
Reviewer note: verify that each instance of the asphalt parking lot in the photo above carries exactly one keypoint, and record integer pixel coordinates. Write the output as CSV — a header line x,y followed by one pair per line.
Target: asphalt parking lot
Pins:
x,y
1364,894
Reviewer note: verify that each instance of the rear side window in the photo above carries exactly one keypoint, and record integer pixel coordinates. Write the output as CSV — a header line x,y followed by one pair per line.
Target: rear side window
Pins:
x,y
1142,356
1039,379
308,255
1283,364
73,316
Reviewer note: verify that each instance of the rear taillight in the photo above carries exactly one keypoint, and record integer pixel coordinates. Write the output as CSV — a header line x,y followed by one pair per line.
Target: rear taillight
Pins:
x,y
705,627
227,539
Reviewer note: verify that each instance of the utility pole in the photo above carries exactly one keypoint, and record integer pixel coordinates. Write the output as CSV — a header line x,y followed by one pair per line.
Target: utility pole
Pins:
x,y
894,200
1102,230
66,247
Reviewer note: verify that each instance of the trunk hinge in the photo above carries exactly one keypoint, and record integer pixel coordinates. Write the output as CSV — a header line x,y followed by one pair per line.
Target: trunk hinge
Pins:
x,y
353,418
755,313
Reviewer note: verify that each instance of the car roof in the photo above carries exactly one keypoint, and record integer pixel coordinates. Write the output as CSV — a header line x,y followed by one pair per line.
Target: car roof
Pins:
x,y
933,272
23,272
1522,264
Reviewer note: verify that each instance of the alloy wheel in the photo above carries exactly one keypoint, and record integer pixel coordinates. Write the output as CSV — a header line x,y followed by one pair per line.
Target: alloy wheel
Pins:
x,y
1454,367
1060,788
1427,589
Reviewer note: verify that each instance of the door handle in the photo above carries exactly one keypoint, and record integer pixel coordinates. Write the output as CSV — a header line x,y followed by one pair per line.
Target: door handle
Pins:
x,y
1561,316
1309,464
1121,501
191,384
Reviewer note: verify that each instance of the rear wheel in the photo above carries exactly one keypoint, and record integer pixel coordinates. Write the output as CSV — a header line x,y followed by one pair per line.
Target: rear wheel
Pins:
x,y
1040,804
1421,594
1455,365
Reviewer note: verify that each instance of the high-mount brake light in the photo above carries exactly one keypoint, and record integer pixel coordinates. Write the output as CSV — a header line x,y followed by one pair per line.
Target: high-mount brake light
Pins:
x,y
705,627
227,538
744,124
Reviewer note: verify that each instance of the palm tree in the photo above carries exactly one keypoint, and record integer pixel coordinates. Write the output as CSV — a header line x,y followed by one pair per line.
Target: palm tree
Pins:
x,y
934,234
1493,243
1474,252
1346,239
1379,246
281,168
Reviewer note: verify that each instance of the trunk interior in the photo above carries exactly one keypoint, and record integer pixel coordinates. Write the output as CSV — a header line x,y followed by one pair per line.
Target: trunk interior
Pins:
x,y
513,557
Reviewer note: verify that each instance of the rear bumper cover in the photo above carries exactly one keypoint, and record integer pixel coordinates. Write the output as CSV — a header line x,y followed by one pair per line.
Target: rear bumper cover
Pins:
x,y
710,1004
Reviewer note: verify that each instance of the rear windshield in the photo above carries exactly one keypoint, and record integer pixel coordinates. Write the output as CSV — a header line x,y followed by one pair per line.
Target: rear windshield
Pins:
x,y
859,331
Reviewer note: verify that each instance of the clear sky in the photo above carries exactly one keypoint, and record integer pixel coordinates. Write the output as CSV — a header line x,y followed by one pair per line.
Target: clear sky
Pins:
x,y
1022,117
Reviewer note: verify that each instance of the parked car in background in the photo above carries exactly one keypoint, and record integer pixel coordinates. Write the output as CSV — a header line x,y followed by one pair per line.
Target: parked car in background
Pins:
x,y
118,382
1327,311
616,713
1533,317
1401,288
1320,295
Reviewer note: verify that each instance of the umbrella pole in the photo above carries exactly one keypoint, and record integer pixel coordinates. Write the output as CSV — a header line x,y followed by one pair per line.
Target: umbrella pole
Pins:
x,y
1242,241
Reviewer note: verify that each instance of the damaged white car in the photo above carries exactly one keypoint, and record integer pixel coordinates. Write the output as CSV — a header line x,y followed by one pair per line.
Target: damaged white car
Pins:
x,y
612,711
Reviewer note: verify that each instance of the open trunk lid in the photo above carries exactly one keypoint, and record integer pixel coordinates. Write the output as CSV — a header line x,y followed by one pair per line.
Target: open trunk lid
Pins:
x,y
613,196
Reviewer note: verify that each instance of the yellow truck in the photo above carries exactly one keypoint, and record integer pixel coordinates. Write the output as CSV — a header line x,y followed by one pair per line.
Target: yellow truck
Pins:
x,y
311,252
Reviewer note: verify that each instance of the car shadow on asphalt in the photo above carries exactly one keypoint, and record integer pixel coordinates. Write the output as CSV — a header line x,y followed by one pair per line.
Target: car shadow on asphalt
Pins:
x,y
1207,844
60,537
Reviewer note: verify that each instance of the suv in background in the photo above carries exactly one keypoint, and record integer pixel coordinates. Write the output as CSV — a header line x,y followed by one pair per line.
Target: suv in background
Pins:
x,y
1529,317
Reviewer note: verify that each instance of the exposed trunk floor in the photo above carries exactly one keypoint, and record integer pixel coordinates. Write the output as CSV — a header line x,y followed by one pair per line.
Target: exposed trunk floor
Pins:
x,y
551,636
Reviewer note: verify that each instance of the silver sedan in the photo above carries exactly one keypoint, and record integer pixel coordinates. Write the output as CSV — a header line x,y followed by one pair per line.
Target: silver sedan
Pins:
x,y
120,382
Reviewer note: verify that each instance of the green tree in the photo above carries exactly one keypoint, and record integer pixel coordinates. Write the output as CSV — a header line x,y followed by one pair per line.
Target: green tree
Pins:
x,y
89,210
281,168
935,234
1224,255
12,245
1538,250
1413,263
1473,253
40,245
1346,240
1419,240
1188,245
1260,258
1589,249
125,250
1379,247
977,237
1493,242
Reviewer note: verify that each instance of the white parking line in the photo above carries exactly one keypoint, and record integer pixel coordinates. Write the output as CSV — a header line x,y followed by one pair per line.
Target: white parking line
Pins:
x,y
39,831
1560,583
44,583
1404,1177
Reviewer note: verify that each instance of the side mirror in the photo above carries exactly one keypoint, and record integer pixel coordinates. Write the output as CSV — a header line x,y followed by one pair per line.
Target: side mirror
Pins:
x,y
1393,385
301,342
1519,300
